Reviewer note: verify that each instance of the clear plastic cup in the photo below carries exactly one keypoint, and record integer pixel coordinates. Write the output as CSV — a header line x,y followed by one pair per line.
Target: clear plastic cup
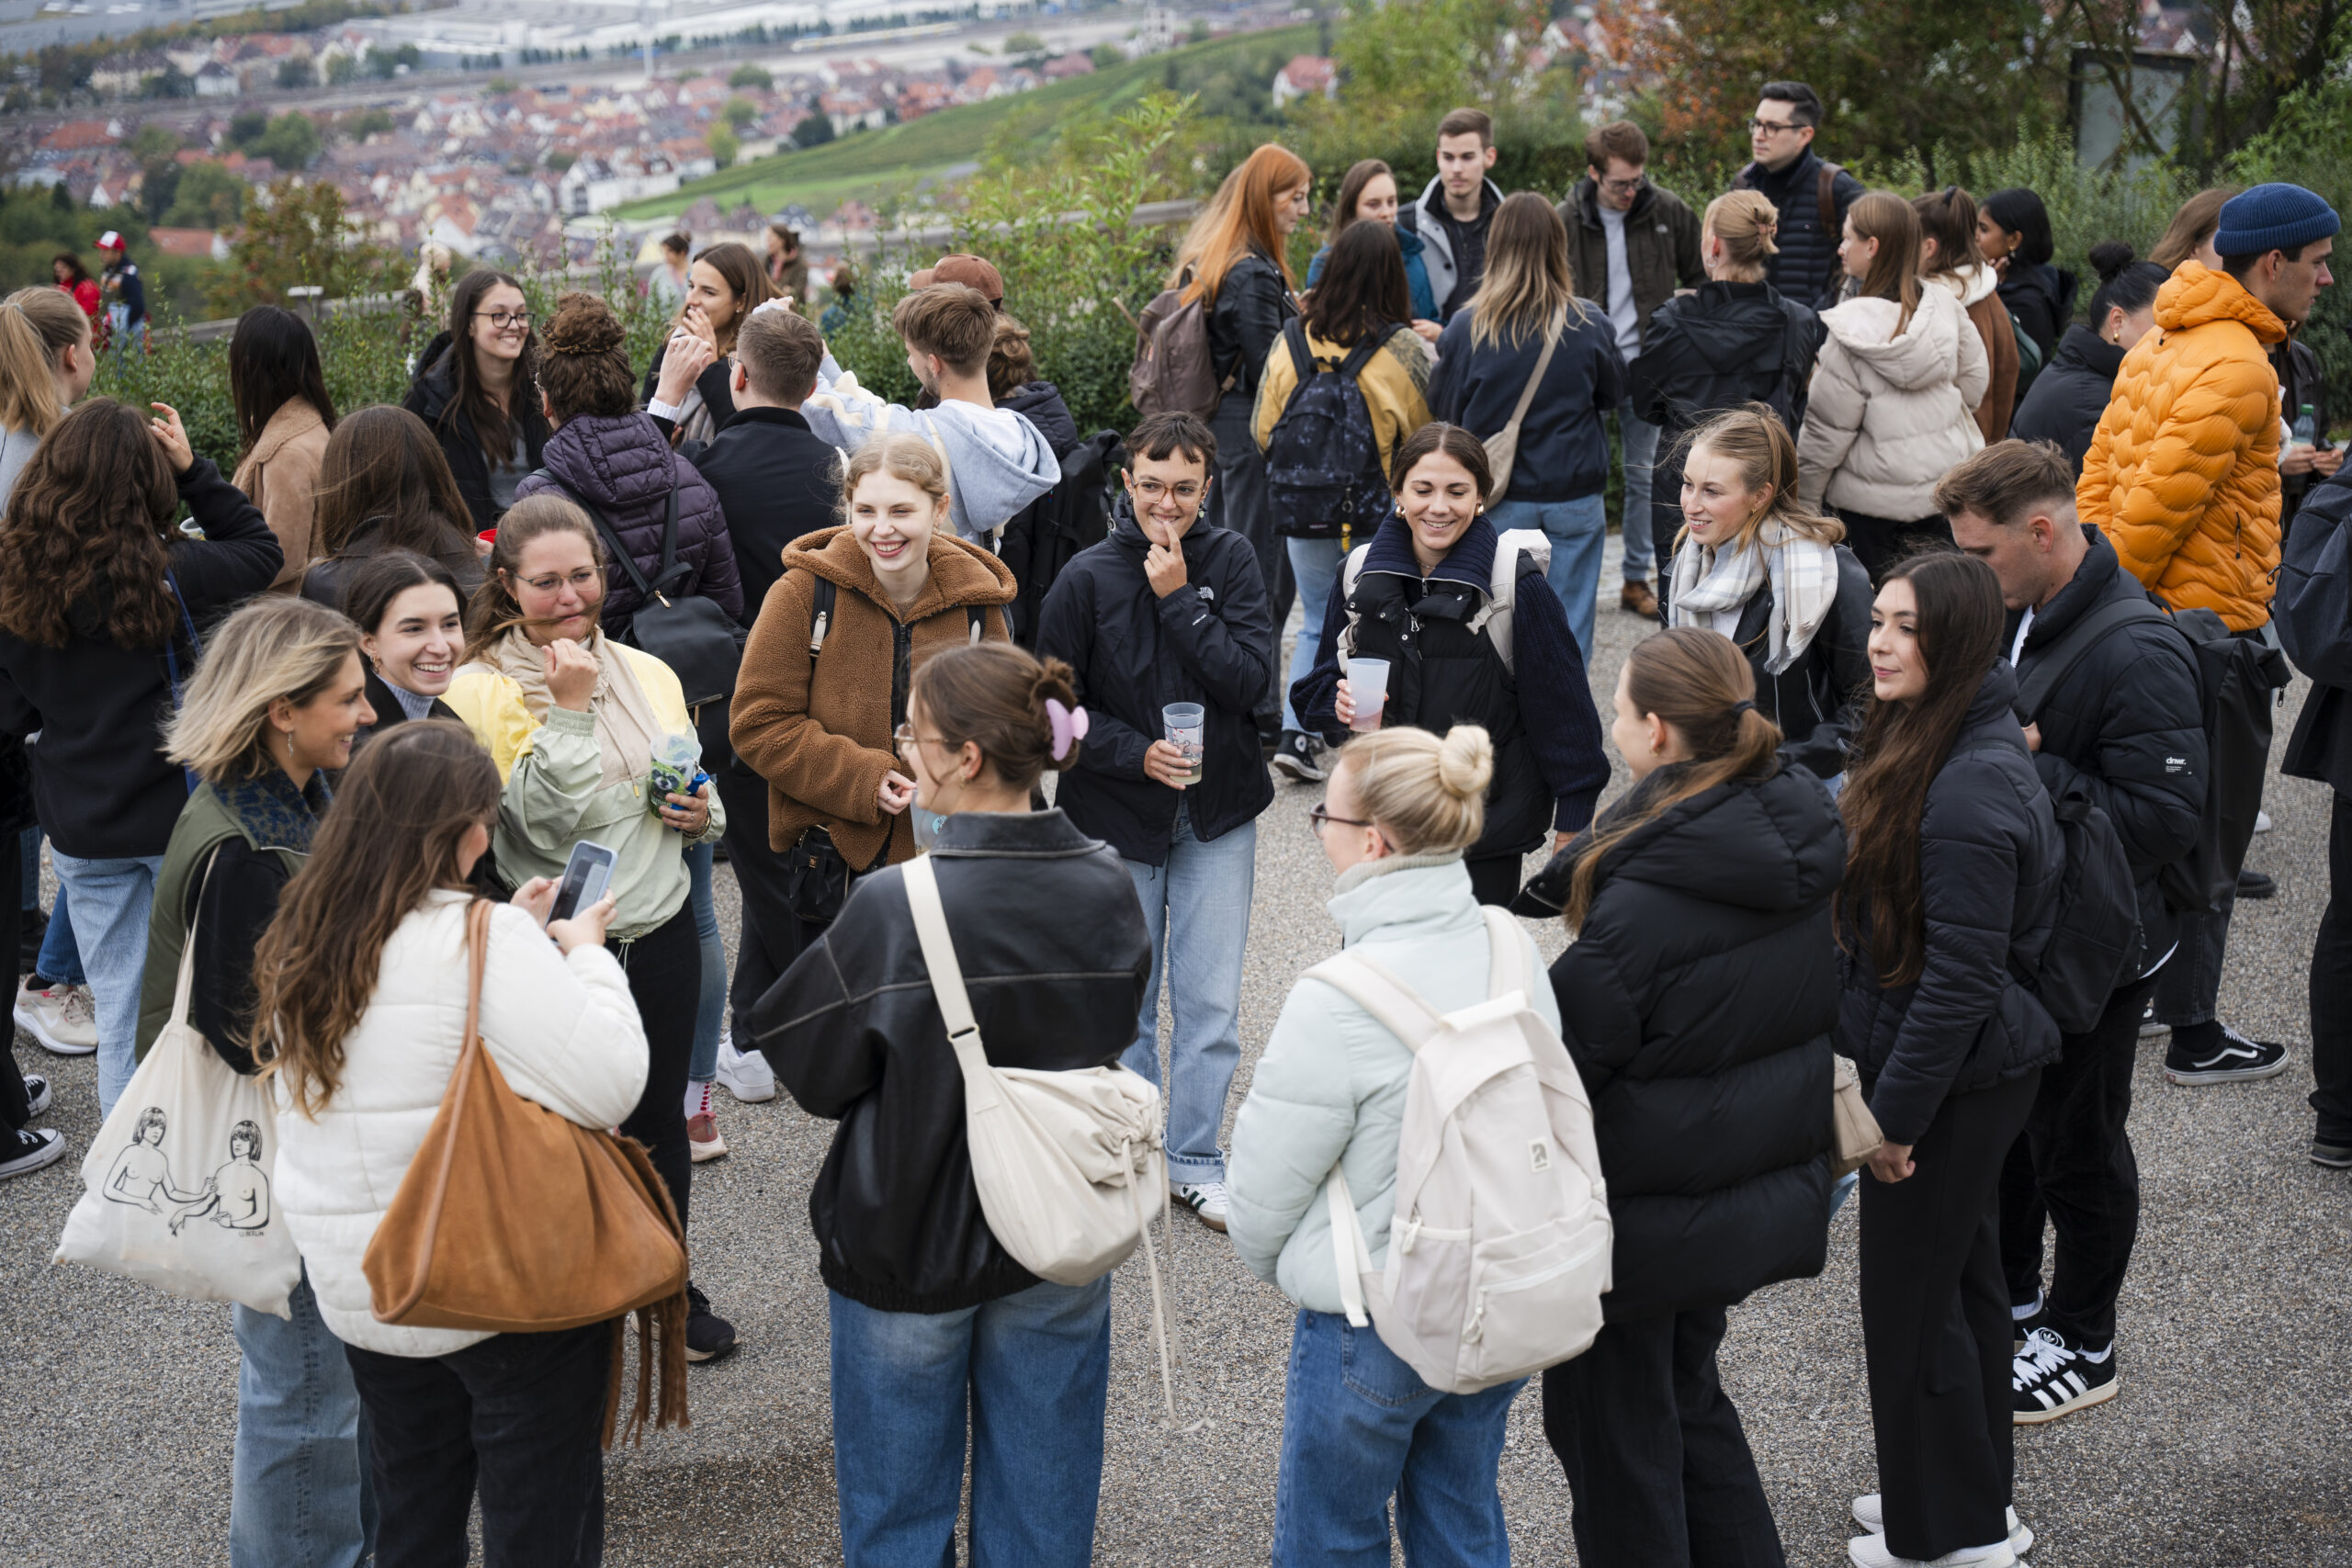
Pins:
x,y
1187,730
1368,685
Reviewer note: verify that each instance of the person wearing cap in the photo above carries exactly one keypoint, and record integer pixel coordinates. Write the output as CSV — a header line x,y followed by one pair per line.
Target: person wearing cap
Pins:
x,y
962,267
127,315
2182,478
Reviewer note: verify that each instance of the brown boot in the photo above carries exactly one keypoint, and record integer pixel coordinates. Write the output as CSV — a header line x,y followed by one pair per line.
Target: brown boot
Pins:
x,y
1638,599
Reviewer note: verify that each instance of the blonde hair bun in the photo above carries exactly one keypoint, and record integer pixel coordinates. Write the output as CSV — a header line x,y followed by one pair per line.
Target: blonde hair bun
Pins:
x,y
1465,762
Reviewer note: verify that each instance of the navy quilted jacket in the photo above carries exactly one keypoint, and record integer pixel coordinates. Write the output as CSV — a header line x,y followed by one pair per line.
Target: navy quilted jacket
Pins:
x,y
622,467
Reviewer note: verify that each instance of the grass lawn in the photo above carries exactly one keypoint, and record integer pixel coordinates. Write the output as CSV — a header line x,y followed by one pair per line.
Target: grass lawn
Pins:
x,y
872,161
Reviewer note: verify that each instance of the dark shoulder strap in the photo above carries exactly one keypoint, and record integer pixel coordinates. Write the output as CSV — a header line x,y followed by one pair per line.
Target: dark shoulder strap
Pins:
x,y
821,612
1825,196
1361,356
2058,661
672,567
1302,359
604,530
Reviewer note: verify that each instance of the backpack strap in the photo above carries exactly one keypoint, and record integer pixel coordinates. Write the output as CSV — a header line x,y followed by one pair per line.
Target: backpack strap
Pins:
x,y
1350,573
1349,1250
2056,663
820,613
1507,954
1393,1005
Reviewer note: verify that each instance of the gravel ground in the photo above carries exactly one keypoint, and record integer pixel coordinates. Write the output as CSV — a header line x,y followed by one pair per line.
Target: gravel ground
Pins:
x,y
2226,1446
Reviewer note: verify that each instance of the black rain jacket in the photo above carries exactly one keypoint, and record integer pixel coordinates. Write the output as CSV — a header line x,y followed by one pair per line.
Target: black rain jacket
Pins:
x,y
2068,397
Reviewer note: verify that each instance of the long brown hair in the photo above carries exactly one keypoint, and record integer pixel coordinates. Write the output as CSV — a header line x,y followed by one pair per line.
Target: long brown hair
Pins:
x,y
36,325
383,463
1903,746
1949,217
2198,218
494,611
273,361
400,811
87,519
1527,280
1362,292
493,426
1885,217
746,279
1697,681
1238,219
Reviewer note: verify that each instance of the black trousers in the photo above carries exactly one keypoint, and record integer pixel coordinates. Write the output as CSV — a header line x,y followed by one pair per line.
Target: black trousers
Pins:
x,y
2331,985
1878,542
2073,1167
767,944
1494,879
517,1415
1654,1452
16,1107
1935,1327
664,969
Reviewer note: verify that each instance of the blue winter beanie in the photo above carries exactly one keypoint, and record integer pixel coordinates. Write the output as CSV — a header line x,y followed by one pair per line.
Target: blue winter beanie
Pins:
x,y
2273,218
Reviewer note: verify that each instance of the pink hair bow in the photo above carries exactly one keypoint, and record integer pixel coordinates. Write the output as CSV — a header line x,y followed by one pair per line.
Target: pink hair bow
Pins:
x,y
1070,726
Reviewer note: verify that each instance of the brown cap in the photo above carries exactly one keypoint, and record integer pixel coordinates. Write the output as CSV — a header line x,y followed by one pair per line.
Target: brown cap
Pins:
x,y
922,279
967,269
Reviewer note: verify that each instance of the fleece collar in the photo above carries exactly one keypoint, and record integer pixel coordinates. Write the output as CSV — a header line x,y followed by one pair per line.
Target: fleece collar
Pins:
x,y
1470,562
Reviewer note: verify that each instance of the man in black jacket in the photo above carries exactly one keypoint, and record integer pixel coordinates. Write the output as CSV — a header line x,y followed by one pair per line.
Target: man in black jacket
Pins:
x,y
2122,728
1167,611
1813,195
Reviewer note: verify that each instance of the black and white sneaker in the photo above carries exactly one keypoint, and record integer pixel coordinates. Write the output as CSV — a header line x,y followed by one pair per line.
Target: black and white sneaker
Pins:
x,y
2051,1378
2233,1059
1296,756
2149,1027
2335,1157
2253,884
2025,1323
709,1337
36,1094
29,1148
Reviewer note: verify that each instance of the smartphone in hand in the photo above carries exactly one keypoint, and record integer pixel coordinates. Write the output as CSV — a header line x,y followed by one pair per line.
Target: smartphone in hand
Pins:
x,y
585,877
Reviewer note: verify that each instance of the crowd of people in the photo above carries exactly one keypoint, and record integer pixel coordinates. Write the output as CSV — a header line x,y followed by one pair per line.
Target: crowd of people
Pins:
x,y
399,774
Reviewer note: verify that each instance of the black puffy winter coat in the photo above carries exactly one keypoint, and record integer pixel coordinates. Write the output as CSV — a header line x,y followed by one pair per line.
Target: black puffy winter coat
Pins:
x,y
1722,345
1252,302
2070,394
1990,861
1052,946
1816,701
623,465
432,398
1697,1003
2126,727
1805,266
1211,642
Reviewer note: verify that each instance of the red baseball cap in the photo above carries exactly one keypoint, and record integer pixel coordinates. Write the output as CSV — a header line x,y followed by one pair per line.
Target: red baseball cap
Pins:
x,y
110,241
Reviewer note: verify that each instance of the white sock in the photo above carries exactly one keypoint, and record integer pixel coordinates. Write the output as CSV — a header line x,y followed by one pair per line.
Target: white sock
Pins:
x,y
2096,1356
697,1098
2018,1314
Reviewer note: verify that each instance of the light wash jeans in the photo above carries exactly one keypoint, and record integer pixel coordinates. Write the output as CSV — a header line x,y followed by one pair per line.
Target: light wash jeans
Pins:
x,y
1579,529
110,903
1639,438
1316,564
710,1013
1359,1428
302,1496
1028,1373
1197,906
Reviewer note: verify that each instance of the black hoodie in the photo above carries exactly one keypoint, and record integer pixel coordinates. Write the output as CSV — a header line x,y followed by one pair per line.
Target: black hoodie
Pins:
x,y
2070,394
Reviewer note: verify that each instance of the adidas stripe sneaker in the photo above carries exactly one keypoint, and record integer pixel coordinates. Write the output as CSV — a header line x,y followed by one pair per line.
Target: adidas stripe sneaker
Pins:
x,y
2051,1378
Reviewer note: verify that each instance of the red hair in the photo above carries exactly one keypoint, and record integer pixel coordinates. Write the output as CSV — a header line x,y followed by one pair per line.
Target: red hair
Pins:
x,y
1239,218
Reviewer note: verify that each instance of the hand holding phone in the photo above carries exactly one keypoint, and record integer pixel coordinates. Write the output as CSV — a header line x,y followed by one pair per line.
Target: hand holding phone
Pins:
x,y
586,928
585,877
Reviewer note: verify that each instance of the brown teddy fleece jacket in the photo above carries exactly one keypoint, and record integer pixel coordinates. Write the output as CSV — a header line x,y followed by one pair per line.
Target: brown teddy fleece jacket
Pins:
x,y
818,729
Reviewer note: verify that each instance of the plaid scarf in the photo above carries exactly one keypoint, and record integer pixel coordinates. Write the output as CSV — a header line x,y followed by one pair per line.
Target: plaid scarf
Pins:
x,y
1803,574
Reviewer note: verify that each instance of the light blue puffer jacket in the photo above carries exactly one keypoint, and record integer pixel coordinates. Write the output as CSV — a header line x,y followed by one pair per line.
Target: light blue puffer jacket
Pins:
x,y
1331,1085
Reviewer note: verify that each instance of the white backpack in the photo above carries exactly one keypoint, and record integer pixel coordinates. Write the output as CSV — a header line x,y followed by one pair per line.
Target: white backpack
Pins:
x,y
1061,1159
1499,1251
1493,617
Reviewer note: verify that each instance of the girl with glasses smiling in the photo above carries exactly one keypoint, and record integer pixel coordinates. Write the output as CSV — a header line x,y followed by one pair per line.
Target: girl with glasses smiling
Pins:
x,y
477,386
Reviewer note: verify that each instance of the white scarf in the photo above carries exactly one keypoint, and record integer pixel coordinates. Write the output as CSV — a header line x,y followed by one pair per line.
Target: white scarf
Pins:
x,y
1804,585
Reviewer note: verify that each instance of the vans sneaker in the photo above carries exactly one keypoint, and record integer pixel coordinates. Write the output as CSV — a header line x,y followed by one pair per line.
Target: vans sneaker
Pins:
x,y
744,1074
37,1095
2335,1157
1870,1551
709,1337
2231,1059
29,1148
60,1017
1870,1512
1295,756
1205,1199
2149,1027
2051,1378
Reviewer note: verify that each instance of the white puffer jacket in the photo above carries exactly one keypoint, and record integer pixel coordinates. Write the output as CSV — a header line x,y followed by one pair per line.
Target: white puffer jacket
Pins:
x,y
564,1030
1889,412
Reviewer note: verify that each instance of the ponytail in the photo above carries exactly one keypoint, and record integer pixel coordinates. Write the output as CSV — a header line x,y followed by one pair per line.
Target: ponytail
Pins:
x,y
1002,699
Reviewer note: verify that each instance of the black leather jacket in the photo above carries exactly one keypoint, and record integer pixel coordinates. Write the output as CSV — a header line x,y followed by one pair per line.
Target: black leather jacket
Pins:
x,y
1051,941
1251,305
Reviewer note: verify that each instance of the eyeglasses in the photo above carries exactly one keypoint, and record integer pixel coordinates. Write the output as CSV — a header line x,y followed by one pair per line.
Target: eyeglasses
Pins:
x,y
504,319
581,580
1321,818
1622,187
1772,127
905,739
1152,490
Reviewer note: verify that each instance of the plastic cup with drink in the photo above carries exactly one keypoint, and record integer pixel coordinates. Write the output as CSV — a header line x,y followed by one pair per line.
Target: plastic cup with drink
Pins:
x,y
1368,686
1187,728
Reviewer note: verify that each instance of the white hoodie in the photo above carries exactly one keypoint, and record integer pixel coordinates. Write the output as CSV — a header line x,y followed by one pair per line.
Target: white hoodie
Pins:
x,y
1890,411
997,462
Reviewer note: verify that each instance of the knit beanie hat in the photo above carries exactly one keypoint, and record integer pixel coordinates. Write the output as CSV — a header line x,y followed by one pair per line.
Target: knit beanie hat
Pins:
x,y
2273,218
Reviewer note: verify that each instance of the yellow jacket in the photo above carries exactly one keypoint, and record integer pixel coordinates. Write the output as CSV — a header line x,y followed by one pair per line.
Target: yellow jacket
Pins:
x,y
1395,384
2182,476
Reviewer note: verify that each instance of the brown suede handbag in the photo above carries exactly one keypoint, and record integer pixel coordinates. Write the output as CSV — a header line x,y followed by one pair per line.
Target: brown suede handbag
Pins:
x,y
516,1220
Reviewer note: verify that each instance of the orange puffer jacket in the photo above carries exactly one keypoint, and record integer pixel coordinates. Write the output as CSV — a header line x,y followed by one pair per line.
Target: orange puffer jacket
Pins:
x,y
2182,476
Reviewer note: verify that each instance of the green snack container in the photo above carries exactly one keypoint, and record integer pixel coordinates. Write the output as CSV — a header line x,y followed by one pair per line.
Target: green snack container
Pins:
x,y
674,769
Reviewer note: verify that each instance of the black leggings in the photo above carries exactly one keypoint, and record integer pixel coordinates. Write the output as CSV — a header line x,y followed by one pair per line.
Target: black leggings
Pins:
x,y
16,1109
664,969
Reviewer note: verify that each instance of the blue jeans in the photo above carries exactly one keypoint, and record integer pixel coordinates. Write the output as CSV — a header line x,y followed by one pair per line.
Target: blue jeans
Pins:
x,y
110,903
1198,904
1316,564
61,959
1028,1373
301,1497
1359,1428
1639,438
1579,529
710,1013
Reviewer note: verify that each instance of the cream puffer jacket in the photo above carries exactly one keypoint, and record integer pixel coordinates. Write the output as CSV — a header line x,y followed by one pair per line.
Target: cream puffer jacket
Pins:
x,y
564,1030
1890,411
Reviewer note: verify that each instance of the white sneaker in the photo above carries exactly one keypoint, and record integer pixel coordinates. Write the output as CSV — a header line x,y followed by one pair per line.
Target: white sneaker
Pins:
x,y
61,1018
1205,1199
1870,1552
1870,1512
37,1095
2262,821
744,1074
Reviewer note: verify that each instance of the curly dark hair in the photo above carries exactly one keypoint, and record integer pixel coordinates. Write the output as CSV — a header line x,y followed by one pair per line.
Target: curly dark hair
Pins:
x,y
586,369
85,527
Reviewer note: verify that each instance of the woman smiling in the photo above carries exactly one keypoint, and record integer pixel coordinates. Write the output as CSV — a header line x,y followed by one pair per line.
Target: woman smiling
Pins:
x,y
411,630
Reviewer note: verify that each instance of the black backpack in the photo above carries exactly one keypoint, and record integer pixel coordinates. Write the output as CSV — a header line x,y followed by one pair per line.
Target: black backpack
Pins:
x,y
1322,458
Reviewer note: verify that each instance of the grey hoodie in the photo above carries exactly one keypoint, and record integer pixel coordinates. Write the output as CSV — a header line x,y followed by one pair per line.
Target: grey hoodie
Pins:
x,y
996,461
1437,243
